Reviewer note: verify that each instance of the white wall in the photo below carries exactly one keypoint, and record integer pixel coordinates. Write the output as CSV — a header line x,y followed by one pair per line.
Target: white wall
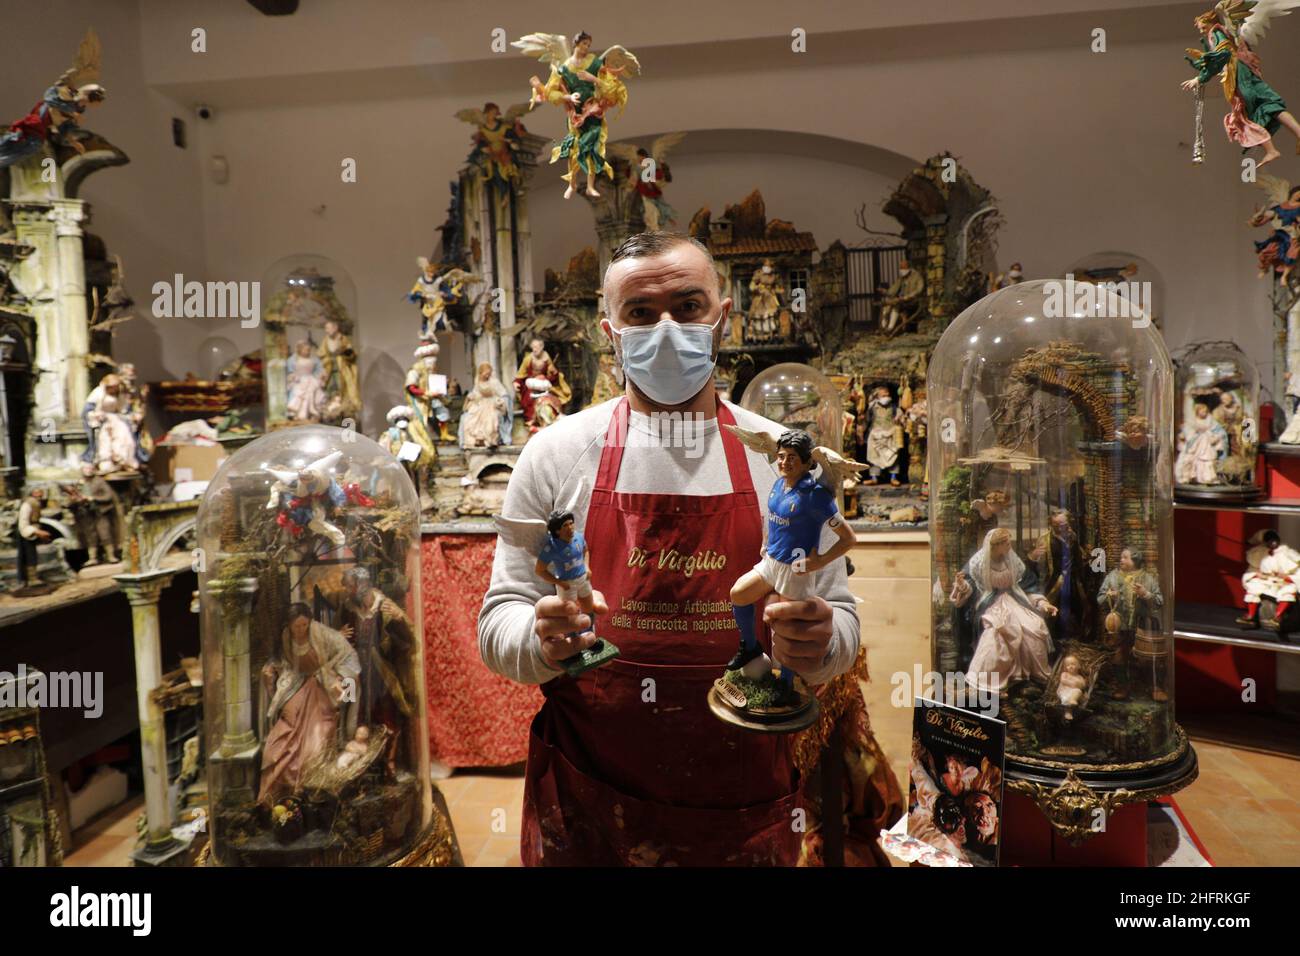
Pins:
x,y
1085,151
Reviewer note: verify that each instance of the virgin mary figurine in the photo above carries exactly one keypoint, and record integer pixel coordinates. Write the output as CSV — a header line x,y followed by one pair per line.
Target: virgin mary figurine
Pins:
x,y
316,668
1002,594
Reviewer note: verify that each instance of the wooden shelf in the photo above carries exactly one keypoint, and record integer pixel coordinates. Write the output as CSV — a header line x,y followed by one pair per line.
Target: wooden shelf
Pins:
x,y
1258,506
1216,624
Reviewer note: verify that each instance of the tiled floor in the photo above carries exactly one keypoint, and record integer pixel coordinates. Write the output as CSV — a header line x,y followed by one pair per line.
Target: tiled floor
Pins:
x,y
1244,807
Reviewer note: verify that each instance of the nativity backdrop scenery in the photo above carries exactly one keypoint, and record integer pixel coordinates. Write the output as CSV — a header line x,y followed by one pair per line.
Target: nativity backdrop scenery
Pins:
x,y
608,455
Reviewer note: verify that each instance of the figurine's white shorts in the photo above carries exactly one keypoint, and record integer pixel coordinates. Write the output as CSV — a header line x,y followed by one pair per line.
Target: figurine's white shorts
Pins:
x,y
575,589
783,579
1265,585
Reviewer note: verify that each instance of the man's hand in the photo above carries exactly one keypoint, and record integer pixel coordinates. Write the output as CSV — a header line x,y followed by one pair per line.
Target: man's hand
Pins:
x,y
801,632
346,631
555,619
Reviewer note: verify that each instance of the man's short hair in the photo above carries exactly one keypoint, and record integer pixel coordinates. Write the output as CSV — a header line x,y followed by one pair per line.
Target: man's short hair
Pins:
x,y
557,520
799,442
359,576
645,245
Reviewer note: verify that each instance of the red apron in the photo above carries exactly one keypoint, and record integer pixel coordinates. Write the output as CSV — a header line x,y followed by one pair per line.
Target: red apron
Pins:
x,y
626,765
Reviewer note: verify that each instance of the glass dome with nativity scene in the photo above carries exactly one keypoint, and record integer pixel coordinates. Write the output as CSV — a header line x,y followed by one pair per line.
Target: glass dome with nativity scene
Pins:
x,y
309,343
1217,447
1051,407
315,705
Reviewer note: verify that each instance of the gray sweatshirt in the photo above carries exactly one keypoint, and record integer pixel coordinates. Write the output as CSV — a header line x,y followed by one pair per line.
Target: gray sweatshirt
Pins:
x,y
549,469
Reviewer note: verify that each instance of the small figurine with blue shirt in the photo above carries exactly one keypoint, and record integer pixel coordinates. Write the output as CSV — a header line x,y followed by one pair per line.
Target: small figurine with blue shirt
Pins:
x,y
799,507
562,555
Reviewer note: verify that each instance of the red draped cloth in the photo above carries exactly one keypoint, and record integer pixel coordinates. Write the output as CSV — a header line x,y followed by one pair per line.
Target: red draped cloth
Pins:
x,y
476,718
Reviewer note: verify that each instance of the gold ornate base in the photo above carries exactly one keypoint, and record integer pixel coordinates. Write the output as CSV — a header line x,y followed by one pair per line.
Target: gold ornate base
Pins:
x,y
436,846
1077,799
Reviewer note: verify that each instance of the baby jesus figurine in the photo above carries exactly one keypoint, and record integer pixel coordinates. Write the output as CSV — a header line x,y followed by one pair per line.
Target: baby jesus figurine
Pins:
x,y
1070,685
355,748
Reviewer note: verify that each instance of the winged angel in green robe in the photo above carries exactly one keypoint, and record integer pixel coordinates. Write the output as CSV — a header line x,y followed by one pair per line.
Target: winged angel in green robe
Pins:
x,y
1229,34
585,86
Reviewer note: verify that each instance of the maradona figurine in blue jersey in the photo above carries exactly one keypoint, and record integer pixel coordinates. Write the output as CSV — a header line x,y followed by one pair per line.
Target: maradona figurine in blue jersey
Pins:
x,y
798,508
562,555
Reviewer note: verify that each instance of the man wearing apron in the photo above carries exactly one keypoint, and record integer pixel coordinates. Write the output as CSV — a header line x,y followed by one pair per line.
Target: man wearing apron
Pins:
x,y
626,764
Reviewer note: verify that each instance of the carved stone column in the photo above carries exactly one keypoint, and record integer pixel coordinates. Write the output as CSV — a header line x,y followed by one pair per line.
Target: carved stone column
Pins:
x,y
143,591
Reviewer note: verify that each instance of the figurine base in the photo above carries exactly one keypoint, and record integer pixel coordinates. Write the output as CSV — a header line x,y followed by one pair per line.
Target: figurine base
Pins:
x,y
765,720
1217,492
599,653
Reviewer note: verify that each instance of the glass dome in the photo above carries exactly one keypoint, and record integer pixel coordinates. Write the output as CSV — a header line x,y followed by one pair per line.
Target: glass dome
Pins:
x,y
1217,448
310,346
1051,413
797,396
315,705
214,354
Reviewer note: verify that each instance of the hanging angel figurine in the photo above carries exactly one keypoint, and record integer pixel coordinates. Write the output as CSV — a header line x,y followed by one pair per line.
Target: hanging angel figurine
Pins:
x,y
586,86
649,170
496,138
433,293
1229,33
308,498
799,506
1281,214
562,555
55,119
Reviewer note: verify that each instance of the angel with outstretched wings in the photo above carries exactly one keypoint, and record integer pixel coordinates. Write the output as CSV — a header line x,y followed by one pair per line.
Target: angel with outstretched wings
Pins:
x,y
649,170
496,138
1281,214
1229,34
308,498
586,86
433,292
55,118
799,506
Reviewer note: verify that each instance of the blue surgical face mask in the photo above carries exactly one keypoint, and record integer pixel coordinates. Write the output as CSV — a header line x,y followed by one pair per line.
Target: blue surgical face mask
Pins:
x,y
669,361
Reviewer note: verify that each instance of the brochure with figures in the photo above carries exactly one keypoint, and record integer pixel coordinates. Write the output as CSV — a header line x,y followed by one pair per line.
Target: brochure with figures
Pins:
x,y
954,800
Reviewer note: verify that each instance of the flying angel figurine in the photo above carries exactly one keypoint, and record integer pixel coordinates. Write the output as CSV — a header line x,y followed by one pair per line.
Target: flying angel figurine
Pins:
x,y
586,86
649,177
433,293
799,506
307,498
55,119
562,554
496,138
1229,33
1281,214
